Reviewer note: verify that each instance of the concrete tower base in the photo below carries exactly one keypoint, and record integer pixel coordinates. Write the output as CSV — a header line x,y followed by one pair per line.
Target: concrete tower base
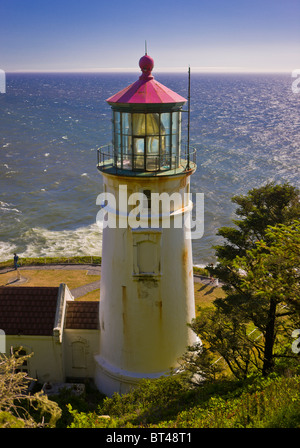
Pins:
x,y
110,379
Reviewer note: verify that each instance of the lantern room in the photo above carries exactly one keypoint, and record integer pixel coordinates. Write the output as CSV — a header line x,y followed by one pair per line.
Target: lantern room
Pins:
x,y
146,119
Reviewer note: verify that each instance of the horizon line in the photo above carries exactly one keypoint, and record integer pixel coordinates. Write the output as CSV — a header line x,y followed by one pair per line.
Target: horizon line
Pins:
x,y
208,69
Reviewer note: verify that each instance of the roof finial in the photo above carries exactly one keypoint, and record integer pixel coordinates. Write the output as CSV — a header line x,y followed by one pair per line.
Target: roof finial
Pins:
x,y
146,64
145,47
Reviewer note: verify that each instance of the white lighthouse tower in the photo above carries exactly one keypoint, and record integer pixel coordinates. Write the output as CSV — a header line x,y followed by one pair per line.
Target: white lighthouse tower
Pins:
x,y
147,288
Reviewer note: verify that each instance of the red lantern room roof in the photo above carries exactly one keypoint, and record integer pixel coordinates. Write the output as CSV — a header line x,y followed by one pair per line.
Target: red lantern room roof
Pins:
x,y
146,90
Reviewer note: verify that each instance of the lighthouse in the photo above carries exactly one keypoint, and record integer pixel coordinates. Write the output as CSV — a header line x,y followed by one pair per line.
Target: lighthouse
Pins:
x,y
147,288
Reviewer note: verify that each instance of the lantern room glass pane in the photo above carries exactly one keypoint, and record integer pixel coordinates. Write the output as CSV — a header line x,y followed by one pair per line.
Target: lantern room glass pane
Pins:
x,y
117,141
165,148
126,123
152,124
175,123
138,124
139,145
127,152
165,121
175,149
117,122
139,149
152,145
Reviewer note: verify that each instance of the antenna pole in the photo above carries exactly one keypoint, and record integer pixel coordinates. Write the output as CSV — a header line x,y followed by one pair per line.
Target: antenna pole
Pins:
x,y
189,111
145,47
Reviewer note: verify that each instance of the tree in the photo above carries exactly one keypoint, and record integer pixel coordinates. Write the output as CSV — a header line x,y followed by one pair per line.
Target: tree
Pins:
x,y
17,405
243,310
224,338
266,206
273,281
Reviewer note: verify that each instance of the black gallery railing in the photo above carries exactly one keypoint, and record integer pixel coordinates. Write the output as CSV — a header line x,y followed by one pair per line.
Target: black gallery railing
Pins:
x,y
111,160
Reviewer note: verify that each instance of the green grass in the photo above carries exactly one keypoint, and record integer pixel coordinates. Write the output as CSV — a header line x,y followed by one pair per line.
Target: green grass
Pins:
x,y
50,277
206,294
53,260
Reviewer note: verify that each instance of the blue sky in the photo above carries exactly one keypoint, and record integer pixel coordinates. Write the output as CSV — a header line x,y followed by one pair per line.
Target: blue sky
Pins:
x,y
67,35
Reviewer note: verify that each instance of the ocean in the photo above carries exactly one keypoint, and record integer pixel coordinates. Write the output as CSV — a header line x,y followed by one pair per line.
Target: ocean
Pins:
x,y
246,128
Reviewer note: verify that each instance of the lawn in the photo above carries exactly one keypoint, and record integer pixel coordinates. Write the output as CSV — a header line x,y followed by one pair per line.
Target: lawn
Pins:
x,y
206,294
50,277
91,296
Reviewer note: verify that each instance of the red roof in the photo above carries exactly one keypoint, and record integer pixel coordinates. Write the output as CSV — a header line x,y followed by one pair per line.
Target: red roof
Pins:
x,y
82,315
146,90
28,310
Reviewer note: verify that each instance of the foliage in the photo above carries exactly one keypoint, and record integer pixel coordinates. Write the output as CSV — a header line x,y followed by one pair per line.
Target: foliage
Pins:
x,y
72,405
272,269
151,401
225,336
201,271
272,280
262,207
200,364
262,404
257,402
18,408
257,267
90,419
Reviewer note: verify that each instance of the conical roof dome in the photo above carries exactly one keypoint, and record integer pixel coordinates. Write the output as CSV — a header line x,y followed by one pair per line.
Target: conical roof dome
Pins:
x,y
146,90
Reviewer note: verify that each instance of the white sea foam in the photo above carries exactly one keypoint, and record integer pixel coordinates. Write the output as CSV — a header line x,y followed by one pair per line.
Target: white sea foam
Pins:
x,y
4,206
41,242
202,266
6,250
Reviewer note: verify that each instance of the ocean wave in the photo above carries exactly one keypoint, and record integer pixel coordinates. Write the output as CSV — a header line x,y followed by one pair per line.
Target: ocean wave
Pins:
x,y
41,242
6,250
6,207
